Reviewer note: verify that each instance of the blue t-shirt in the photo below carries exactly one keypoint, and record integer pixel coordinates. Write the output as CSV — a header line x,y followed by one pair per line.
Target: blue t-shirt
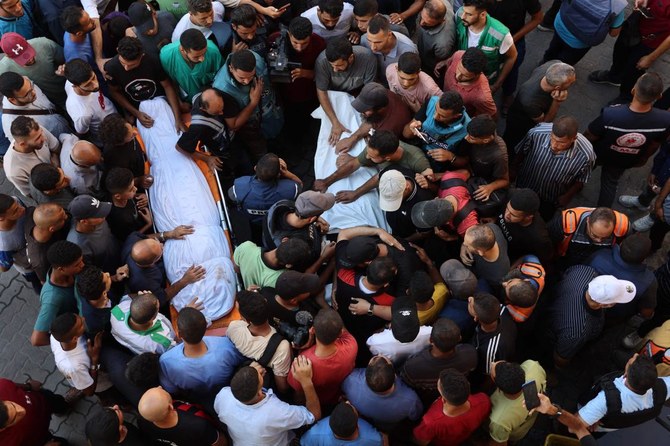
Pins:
x,y
402,403
570,38
206,374
321,435
74,50
21,25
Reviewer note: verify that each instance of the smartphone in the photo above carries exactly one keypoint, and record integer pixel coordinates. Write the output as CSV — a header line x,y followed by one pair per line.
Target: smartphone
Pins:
x,y
646,12
530,395
285,7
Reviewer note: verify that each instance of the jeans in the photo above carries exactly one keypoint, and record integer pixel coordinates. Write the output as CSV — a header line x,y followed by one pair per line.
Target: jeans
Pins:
x,y
509,86
560,50
609,180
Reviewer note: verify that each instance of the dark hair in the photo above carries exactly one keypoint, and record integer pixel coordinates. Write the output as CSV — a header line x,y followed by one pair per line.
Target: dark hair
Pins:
x,y
328,326
338,49
44,177
379,375
482,237
480,5
143,370
333,8
78,71
364,8
103,428
381,271
113,130
300,28
522,294
10,83
70,18
379,23
253,307
63,253
293,251
641,374
90,284
451,100
343,421
62,326
409,63
525,200
143,308
196,6
267,168
194,39
117,27
635,248
130,48
487,308
421,287
602,214
23,126
4,416
648,88
565,126
474,60
445,334
481,126
509,377
119,179
244,384
243,15
243,60
454,387
192,325
6,202
384,141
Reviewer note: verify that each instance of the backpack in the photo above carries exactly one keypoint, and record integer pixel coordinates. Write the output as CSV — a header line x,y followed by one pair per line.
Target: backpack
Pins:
x,y
590,20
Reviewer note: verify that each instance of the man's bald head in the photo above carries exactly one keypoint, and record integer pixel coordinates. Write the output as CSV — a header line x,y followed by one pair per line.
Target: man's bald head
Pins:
x,y
146,252
155,405
86,154
48,215
212,102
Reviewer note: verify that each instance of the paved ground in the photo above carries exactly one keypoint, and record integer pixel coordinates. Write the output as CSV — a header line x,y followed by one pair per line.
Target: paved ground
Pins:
x,y
19,304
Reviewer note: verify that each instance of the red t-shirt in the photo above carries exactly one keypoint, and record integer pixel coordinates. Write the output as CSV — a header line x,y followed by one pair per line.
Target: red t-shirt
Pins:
x,y
330,372
462,196
397,116
477,96
33,429
441,430
654,31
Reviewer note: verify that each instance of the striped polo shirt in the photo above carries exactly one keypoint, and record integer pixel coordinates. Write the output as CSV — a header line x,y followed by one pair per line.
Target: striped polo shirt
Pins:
x,y
551,174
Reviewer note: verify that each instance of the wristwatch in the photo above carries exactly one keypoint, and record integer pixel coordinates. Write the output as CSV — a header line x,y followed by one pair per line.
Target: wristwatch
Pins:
x,y
370,309
94,367
559,411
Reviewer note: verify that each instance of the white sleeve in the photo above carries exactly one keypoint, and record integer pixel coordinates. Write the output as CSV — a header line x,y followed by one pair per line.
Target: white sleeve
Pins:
x,y
218,11
507,43
91,7
79,377
594,410
52,141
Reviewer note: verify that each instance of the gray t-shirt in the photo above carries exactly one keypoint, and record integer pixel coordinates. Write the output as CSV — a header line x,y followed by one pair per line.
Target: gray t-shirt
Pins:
x,y
531,101
362,71
489,161
100,247
492,272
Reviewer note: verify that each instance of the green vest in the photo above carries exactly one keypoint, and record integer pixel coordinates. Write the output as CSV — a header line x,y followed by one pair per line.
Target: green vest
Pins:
x,y
489,42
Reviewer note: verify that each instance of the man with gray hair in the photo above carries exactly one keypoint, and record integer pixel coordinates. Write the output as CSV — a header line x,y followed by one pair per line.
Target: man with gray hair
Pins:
x,y
538,100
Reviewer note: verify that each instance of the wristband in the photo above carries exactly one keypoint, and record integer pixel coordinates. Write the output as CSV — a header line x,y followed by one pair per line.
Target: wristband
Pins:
x,y
372,306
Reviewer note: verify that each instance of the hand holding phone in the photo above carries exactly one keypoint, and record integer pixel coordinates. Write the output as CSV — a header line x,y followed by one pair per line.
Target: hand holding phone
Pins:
x,y
530,395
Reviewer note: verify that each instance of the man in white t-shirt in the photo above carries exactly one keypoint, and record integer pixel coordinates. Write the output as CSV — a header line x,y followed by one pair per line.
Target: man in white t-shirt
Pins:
x,y
201,15
330,18
137,325
85,104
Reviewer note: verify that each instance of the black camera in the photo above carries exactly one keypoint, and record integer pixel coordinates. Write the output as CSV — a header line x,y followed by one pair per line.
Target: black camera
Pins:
x,y
280,67
299,335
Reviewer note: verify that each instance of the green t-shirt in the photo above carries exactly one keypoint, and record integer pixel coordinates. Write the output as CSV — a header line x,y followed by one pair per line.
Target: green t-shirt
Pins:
x,y
509,420
413,158
54,301
248,257
178,8
190,78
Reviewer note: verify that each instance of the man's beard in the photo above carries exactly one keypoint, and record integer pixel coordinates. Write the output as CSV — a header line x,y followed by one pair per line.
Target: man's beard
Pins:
x,y
441,124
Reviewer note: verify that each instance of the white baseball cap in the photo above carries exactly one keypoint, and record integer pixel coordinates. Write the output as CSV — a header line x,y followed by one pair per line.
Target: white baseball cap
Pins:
x,y
608,290
391,190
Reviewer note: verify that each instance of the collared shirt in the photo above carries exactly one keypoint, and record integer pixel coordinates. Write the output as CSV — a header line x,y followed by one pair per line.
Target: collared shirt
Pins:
x,y
157,339
550,174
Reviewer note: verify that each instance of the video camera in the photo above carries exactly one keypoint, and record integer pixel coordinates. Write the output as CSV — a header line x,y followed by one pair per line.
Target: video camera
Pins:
x,y
280,67
298,336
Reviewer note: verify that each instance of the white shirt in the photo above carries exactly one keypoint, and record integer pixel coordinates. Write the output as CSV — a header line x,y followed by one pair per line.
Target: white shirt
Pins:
x,y
73,364
83,180
41,102
266,423
185,23
505,45
86,111
158,339
94,7
343,25
383,343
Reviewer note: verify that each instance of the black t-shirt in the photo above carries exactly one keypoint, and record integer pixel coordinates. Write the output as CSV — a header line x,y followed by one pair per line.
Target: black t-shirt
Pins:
x,y
512,13
279,313
400,221
488,161
133,436
129,156
531,101
123,221
523,240
207,129
498,345
138,84
190,430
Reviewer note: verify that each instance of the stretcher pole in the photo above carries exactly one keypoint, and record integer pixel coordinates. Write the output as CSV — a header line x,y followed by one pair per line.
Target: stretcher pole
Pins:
x,y
221,205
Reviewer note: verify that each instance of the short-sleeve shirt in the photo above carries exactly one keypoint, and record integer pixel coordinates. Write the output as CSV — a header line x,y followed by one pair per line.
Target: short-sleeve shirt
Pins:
x,y
439,298
190,78
140,83
488,161
442,430
462,196
340,29
321,435
249,258
476,95
573,41
416,95
124,220
99,247
190,429
531,101
362,71
412,158
403,45
87,112
17,165
54,301
33,429
185,23
158,339
208,130
512,13
254,346
73,364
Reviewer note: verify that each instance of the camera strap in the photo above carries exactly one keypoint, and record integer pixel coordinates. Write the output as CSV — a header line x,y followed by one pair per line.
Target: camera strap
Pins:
x,y
270,350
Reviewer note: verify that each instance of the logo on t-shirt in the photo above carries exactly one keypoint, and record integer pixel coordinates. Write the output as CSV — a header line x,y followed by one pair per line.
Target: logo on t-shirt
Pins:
x,y
141,89
629,143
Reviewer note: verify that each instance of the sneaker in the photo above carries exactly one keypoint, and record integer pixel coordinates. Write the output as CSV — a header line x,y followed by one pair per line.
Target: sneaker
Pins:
x,y
545,28
633,341
631,201
643,224
603,77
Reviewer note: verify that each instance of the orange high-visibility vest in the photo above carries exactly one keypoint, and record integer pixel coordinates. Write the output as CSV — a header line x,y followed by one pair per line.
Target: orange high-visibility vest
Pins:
x,y
572,218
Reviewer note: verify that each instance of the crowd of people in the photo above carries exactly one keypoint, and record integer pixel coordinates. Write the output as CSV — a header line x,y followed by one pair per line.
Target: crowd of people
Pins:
x,y
452,321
